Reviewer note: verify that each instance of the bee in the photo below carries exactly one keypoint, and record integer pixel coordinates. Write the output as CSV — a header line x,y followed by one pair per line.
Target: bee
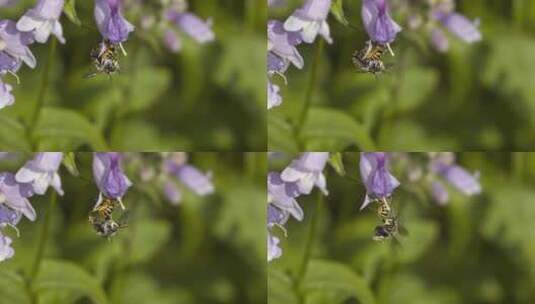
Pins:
x,y
369,59
390,224
101,217
105,57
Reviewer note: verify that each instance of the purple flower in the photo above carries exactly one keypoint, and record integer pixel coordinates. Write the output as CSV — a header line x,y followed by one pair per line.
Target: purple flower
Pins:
x,y
6,98
172,41
307,172
439,40
8,217
42,172
15,195
14,47
6,251
439,192
7,3
276,65
274,99
377,21
192,25
110,21
377,179
459,25
109,176
192,177
273,249
172,193
457,176
282,195
43,20
310,20
275,217
282,43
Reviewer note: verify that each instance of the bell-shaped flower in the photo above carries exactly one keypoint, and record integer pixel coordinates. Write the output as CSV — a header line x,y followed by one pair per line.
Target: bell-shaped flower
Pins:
x,y
43,20
283,43
282,195
275,218
42,172
274,98
172,41
108,174
172,193
310,20
14,44
6,98
460,26
191,177
193,26
457,176
377,179
6,251
439,40
307,172
377,21
15,195
110,21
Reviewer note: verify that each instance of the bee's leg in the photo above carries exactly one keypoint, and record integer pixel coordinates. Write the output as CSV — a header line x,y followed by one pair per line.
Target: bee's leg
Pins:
x,y
121,203
99,200
390,50
369,49
122,49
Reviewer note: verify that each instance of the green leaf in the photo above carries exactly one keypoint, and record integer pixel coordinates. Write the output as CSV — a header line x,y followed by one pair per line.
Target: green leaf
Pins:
x,y
280,134
12,287
332,282
69,161
280,288
337,163
70,11
238,222
61,129
415,87
12,135
57,275
149,236
333,130
147,85
242,60
422,234
338,12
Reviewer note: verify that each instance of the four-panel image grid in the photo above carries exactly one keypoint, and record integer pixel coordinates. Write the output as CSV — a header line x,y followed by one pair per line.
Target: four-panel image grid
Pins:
x,y
267,151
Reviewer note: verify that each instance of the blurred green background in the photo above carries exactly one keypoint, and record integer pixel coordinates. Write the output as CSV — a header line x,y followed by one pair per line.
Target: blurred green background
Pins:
x,y
474,97
207,97
473,250
205,250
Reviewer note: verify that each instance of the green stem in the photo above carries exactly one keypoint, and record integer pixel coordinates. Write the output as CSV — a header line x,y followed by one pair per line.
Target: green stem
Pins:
x,y
43,239
307,252
308,94
34,119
